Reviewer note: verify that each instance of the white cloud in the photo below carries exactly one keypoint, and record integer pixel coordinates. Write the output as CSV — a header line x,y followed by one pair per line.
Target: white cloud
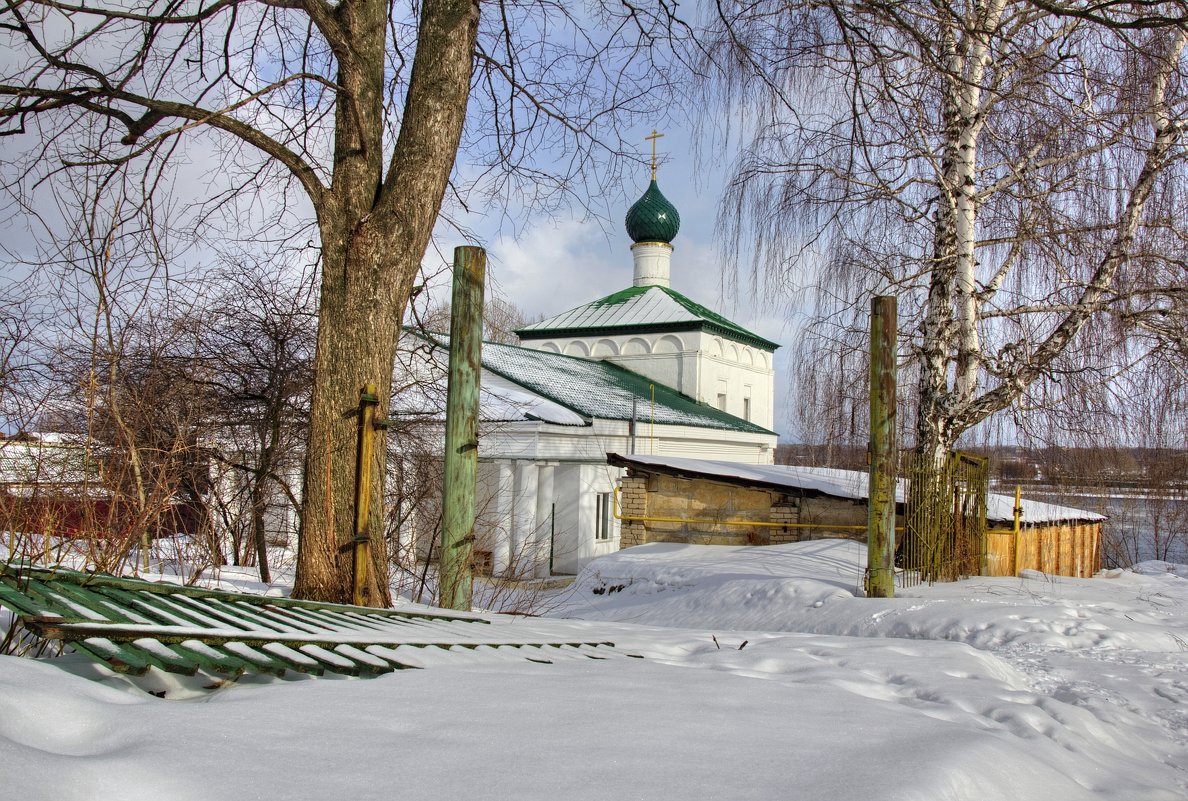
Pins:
x,y
554,267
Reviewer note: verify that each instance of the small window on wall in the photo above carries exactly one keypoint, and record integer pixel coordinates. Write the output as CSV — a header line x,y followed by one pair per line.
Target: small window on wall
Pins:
x,y
746,409
722,401
605,523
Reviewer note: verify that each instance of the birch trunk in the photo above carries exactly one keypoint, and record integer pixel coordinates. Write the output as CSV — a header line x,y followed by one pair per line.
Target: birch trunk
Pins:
x,y
950,325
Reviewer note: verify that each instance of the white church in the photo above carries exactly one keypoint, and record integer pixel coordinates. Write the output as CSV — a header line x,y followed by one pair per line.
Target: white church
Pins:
x,y
642,371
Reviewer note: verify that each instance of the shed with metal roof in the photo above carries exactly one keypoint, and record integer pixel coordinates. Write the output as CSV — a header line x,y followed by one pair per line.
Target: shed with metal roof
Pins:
x,y
703,501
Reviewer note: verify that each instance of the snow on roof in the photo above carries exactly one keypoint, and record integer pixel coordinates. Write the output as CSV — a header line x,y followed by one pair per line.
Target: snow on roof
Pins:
x,y
570,391
642,307
504,400
421,391
45,459
850,484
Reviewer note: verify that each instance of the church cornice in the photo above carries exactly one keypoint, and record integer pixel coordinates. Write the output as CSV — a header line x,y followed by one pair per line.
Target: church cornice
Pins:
x,y
596,389
755,341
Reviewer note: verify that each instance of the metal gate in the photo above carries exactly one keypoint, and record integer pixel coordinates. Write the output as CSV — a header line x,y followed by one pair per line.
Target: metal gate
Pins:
x,y
944,535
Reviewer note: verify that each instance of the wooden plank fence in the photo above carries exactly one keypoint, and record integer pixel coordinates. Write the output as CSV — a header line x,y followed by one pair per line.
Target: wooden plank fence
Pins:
x,y
1062,549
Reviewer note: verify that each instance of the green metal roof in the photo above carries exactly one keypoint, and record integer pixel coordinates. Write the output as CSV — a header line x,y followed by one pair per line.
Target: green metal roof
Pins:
x,y
640,309
133,625
593,388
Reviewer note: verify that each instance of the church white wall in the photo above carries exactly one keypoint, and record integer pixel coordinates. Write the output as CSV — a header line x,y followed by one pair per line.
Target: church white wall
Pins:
x,y
576,491
700,443
698,364
546,442
669,359
566,537
739,372
652,263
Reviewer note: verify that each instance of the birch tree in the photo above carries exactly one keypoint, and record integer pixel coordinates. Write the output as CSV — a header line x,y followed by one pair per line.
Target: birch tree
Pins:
x,y
1004,167
357,107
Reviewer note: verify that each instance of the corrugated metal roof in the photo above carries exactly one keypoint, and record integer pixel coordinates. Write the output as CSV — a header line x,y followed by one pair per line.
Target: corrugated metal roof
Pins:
x,y
641,308
132,625
852,484
422,386
600,389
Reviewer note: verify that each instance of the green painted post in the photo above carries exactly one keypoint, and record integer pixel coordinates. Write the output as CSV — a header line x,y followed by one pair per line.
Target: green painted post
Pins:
x,y
880,520
461,436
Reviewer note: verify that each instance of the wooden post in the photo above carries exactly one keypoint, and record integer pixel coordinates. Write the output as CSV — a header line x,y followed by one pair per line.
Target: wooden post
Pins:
x,y
461,436
1017,526
361,594
880,519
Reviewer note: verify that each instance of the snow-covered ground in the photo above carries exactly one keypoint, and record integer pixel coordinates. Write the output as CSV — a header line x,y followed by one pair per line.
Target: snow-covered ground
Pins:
x,y
765,678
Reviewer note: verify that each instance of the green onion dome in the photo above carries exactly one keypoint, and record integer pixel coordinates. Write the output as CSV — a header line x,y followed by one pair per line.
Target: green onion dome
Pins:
x,y
652,218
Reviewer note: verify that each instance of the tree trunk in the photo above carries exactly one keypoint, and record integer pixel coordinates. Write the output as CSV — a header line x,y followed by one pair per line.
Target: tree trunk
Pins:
x,y
259,496
949,333
374,233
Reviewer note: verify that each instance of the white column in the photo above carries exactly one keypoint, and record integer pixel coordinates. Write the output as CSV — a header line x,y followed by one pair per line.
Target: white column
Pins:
x,y
524,526
504,505
544,519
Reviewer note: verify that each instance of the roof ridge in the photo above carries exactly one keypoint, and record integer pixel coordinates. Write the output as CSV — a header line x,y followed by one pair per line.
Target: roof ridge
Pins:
x,y
706,312
598,316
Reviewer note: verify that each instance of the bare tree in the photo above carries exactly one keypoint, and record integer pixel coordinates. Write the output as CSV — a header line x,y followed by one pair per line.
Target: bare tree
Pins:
x,y
358,105
257,343
1005,168
149,411
108,362
20,378
501,318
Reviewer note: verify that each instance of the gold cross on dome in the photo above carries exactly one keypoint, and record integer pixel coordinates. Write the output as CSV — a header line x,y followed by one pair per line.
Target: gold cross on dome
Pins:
x,y
653,139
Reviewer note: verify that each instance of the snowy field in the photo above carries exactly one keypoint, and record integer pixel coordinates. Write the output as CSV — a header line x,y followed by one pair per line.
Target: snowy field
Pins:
x,y
765,678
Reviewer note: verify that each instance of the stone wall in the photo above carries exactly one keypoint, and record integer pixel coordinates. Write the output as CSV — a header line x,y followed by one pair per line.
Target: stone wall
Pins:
x,y
841,513
663,508
694,511
633,502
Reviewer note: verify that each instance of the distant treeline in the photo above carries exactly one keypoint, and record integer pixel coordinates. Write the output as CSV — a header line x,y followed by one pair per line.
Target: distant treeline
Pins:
x,y
1081,467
